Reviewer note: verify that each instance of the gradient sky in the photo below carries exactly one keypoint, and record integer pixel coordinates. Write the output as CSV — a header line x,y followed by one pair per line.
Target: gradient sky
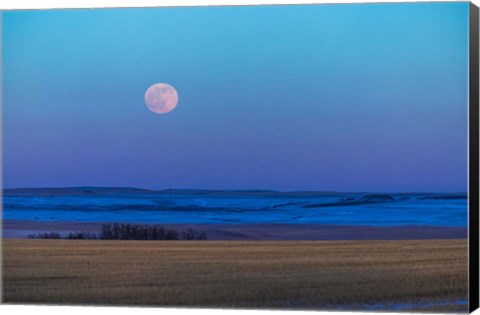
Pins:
x,y
363,97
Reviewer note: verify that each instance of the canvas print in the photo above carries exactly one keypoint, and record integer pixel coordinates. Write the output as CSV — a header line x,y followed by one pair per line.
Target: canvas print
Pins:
x,y
307,157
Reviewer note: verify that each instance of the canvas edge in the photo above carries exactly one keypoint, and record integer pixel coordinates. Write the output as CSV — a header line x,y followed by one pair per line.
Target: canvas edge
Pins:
x,y
473,105
1,155
473,197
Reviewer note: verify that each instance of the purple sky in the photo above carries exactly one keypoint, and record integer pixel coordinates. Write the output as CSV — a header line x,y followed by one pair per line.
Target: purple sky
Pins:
x,y
368,97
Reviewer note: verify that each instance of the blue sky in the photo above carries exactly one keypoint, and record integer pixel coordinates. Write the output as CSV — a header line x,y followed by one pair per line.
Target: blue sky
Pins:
x,y
366,97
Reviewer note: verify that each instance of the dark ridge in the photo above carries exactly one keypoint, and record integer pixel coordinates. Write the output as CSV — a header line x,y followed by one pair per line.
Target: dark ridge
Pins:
x,y
216,191
377,198
86,190
444,197
99,191
352,201
120,207
281,205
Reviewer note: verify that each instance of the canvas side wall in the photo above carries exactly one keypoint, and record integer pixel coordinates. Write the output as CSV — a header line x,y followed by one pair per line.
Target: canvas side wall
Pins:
x,y
473,197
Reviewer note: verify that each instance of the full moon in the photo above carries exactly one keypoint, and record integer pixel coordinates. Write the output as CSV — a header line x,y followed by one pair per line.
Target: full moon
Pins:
x,y
161,98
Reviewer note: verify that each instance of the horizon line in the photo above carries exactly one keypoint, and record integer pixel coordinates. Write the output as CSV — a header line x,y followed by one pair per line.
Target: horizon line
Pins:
x,y
233,190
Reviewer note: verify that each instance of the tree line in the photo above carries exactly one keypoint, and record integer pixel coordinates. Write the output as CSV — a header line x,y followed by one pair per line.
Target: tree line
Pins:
x,y
117,231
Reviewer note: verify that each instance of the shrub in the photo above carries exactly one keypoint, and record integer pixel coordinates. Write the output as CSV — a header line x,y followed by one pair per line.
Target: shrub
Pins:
x,y
193,235
51,235
82,236
116,231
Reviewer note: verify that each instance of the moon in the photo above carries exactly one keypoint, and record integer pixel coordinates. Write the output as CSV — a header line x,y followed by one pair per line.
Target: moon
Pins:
x,y
161,98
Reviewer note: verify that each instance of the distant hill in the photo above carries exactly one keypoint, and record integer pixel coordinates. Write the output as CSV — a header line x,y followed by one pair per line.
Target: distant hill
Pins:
x,y
84,190
353,197
91,190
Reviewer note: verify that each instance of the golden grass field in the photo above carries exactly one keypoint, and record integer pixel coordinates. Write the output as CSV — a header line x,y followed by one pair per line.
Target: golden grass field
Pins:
x,y
423,274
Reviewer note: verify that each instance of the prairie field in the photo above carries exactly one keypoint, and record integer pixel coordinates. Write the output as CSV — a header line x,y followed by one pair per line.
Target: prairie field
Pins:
x,y
375,275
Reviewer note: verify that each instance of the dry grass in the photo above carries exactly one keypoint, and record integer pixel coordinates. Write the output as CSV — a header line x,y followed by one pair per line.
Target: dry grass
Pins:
x,y
250,274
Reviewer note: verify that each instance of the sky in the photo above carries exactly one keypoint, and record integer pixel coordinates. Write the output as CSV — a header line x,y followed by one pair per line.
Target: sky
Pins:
x,y
357,97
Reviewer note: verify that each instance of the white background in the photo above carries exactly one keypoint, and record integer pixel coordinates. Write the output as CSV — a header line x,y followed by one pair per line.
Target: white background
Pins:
x,y
83,310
